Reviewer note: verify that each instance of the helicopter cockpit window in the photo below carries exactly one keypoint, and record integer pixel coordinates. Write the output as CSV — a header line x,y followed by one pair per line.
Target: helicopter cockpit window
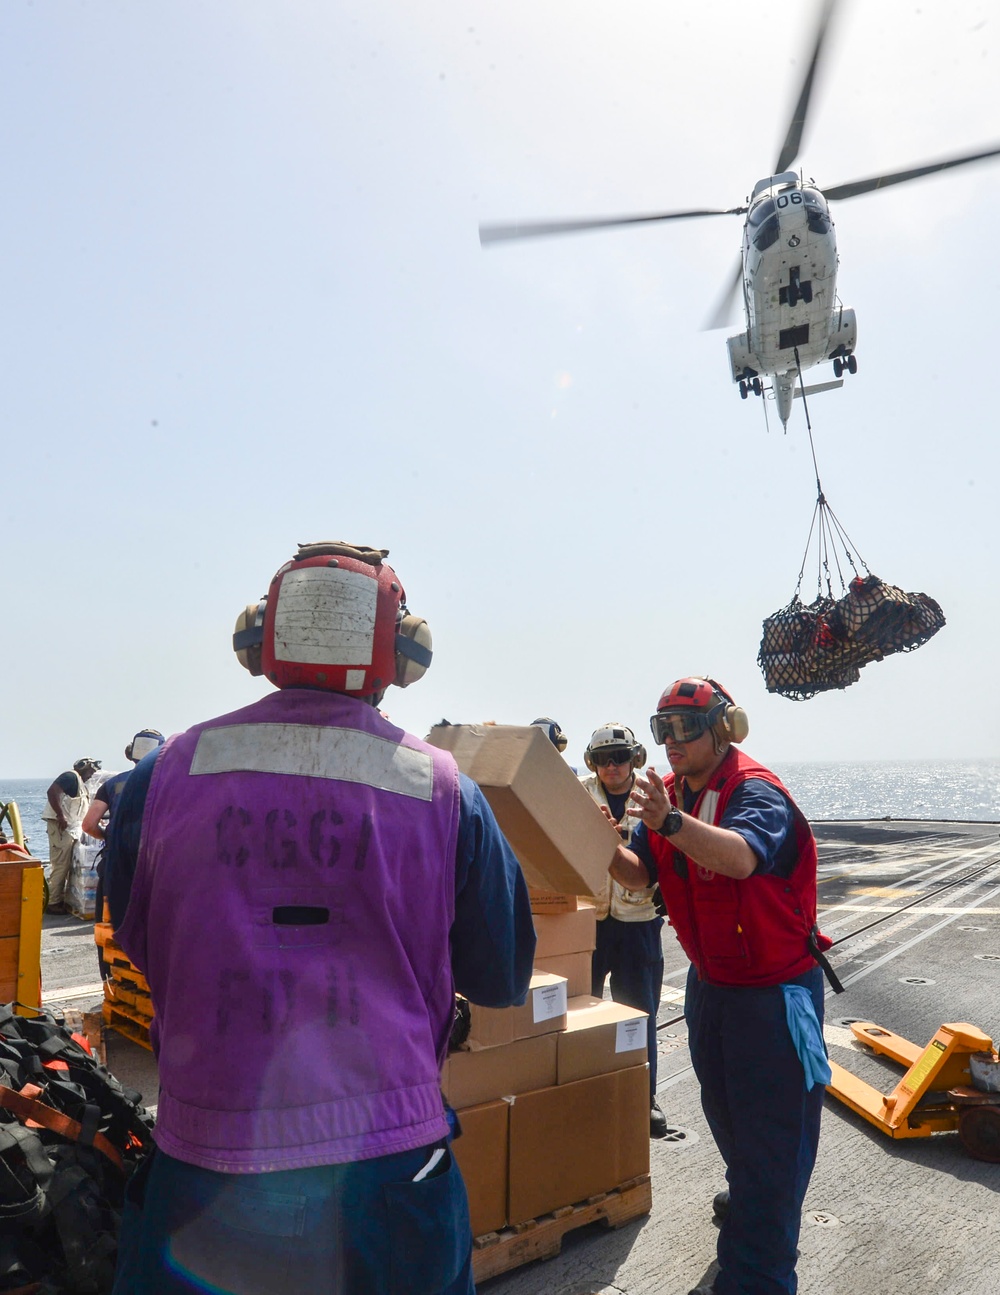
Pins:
x,y
761,211
817,213
764,225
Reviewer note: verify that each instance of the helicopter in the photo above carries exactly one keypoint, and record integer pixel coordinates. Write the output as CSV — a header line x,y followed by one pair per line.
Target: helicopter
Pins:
x,y
788,268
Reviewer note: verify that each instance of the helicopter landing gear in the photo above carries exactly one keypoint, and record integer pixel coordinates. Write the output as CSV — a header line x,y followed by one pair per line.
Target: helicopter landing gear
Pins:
x,y
838,367
849,362
744,390
757,390
852,364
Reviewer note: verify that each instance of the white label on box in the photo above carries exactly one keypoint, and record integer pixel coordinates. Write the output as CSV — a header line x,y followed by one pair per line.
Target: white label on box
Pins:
x,y
630,1036
548,1001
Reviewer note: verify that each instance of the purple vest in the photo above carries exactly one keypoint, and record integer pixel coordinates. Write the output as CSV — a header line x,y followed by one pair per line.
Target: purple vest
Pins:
x,y
291,910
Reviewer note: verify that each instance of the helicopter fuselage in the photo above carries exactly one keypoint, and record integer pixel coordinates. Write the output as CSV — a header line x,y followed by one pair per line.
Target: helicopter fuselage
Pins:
x,y
793,317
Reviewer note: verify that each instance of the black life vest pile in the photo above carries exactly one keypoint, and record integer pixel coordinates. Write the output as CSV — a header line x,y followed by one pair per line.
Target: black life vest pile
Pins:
x,y
70,1136
808,649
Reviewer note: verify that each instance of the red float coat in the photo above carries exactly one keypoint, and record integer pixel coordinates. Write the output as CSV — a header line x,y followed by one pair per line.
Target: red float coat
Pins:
x,y
750,932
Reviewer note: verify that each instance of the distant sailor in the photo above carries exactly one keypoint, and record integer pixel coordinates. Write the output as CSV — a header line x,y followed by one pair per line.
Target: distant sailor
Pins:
x,y
736,862
629,947
66,804
100,810
305,886
552,731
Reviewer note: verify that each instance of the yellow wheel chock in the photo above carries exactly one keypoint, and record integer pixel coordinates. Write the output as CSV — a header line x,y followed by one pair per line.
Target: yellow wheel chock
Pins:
x,y
936,1093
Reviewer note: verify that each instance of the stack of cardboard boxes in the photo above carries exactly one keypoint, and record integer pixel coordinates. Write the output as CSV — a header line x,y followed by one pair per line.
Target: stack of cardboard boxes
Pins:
x,y
552,1096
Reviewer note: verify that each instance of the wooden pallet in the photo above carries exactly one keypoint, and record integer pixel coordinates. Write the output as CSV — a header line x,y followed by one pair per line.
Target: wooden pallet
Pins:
x,y
103,933
499,1252
128,1026
134,1002
122,970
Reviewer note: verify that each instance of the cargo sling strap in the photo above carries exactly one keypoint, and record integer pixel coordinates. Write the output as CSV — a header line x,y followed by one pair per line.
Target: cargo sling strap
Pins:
x,y
824,961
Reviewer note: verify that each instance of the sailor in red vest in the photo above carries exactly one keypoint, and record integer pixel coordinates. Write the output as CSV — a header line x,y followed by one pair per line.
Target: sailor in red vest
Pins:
x,y
736,863
305,885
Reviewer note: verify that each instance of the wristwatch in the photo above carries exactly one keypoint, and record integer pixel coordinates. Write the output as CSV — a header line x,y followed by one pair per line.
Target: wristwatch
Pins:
x,y
672,823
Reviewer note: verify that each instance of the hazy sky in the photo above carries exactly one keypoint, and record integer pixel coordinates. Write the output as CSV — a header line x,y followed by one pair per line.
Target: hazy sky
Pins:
x,y
244,304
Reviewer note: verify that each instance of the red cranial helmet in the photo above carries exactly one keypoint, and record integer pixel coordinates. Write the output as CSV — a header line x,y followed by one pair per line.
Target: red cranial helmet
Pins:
x,y
693,706
693,693
334,618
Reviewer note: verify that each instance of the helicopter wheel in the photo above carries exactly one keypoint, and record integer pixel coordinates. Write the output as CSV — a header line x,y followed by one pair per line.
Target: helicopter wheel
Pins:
x,y
744,390
838,368
852,364
807,292
979,1132
756,386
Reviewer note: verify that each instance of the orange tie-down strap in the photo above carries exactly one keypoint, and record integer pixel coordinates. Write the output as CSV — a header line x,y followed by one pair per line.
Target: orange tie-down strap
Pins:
x,y
31,1111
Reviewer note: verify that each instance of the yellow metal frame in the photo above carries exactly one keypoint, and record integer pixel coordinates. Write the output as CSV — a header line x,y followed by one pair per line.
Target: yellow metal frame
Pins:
x,y
29,945
12,814
939,1067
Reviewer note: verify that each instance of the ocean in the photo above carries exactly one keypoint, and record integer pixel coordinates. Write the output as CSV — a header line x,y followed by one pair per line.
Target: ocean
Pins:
x,y
955,790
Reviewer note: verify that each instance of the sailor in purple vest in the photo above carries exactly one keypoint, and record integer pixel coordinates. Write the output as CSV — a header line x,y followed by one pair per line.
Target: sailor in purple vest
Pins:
x,y
305,886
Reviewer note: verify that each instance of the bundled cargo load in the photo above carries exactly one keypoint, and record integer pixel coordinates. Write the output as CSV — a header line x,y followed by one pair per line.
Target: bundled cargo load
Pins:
x,y
70,1136
811,648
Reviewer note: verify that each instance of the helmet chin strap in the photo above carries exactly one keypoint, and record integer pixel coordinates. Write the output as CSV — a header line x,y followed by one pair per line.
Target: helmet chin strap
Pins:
x,y
719,744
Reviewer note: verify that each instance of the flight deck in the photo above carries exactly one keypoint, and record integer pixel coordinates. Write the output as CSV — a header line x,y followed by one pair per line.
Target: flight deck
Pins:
x,y
914,911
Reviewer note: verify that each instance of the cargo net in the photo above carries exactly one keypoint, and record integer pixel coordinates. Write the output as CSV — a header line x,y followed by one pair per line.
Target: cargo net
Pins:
x,y
812,648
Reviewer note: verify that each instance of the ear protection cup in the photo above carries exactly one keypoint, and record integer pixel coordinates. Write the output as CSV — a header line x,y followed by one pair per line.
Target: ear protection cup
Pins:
x,y
639,756
413,648
733,724
249,635
588,761
128,752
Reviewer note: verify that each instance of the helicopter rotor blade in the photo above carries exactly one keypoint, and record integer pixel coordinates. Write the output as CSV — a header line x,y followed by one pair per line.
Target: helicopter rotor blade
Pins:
x,y
502,233
874,182
723,311
793,139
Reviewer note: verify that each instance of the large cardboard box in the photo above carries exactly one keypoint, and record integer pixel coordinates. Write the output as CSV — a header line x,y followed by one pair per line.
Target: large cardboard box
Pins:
x,y
575,1141
542,1012
481,1153
484,1074
558,933
576,967
600,1036
562,840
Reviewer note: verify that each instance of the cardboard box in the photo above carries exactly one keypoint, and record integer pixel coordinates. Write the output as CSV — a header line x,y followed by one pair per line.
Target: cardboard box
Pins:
x,y
576,967
600,1036
574,932
575,1141
485,1074
562,840
543,1012
551,901
481,1153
